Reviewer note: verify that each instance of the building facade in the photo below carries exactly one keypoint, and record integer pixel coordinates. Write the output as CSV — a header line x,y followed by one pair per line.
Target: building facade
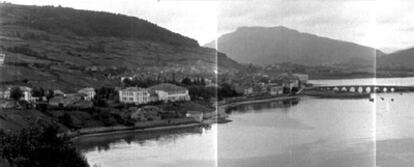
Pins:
x,y
134,95
170,92
275,89
89,92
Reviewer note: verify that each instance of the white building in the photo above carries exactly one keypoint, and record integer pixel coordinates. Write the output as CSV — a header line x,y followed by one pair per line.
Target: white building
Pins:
x,y
89,92
27,93
2,58
134,95
169,92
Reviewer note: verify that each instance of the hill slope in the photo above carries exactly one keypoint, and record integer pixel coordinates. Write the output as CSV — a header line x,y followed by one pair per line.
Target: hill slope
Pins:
x,y
262,45
399,59
64,48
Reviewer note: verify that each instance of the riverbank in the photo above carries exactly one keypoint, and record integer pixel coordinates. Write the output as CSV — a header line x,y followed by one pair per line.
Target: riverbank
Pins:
x,y
147,126
359,76
209,118
126,129
252,101
337,95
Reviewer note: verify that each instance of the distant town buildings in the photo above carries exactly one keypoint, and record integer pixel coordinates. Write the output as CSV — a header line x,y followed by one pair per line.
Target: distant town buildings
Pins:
x,y
303,78
277,85
275,89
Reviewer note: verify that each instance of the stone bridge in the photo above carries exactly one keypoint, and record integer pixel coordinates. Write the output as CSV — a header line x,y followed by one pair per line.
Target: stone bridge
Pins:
x,y
364,88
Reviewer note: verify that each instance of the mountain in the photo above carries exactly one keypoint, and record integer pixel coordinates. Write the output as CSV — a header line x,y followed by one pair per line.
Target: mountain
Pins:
x,y
65,48
268,45
399,59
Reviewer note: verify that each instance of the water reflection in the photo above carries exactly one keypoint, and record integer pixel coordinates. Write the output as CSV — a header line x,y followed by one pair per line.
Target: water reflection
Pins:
x,y
104,142
246,108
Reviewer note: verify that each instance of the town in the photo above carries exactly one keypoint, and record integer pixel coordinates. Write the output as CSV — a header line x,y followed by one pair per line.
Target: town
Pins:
x,y
193,99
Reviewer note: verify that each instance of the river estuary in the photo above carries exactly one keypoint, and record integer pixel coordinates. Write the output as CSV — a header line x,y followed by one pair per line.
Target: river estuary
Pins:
x,y
307,132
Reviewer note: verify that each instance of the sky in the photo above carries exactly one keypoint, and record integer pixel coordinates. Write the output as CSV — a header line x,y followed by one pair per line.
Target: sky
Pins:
x,y
387,25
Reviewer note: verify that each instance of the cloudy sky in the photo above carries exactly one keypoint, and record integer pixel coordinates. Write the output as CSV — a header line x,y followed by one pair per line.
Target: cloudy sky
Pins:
x,y
384,24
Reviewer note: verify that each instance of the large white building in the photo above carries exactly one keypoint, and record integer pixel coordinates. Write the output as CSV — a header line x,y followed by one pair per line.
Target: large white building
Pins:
x,y
170,92
134,95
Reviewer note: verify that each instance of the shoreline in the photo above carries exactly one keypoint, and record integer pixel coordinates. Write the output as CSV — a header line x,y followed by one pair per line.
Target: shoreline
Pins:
x,y
127,129
98,131
252,101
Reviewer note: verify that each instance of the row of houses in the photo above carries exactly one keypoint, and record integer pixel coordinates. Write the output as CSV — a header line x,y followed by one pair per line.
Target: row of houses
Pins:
x,y
283,84
27,93
84,94
162,92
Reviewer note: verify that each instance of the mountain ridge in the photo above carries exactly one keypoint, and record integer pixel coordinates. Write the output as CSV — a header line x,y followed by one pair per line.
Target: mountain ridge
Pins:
x,y
280,44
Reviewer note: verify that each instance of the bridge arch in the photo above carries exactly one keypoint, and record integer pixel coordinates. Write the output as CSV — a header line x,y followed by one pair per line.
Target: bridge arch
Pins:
x,y
336,88
344,89
392,89
360,89
368,89
384,89
352,89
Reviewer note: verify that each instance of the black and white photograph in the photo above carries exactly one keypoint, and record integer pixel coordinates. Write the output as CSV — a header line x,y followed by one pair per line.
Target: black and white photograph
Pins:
x,y
206,83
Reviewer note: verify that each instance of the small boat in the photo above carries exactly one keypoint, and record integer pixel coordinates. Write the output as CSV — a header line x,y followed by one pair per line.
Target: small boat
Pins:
x,y
371,99
392,99
382,98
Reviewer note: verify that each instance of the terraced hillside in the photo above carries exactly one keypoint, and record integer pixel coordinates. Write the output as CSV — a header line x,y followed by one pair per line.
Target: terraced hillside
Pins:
x,y
64,48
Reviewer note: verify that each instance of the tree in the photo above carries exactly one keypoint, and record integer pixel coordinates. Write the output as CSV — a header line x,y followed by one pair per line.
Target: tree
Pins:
x,y
39,146
38,92
49,94
127,82
16,93
186,81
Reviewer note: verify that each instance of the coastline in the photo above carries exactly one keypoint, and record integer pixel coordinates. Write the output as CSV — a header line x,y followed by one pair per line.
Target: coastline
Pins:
x,y
154,126
127,129
252,101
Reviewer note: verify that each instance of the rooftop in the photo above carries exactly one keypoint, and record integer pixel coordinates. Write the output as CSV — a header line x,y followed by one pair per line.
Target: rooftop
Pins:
x,y
167,87
134,89
87,89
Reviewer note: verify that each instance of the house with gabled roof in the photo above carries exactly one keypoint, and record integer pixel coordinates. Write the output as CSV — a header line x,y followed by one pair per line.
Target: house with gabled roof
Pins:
x,y
89,92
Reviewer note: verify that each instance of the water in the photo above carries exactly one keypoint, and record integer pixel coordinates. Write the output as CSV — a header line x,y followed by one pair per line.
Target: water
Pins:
x,y
303,132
